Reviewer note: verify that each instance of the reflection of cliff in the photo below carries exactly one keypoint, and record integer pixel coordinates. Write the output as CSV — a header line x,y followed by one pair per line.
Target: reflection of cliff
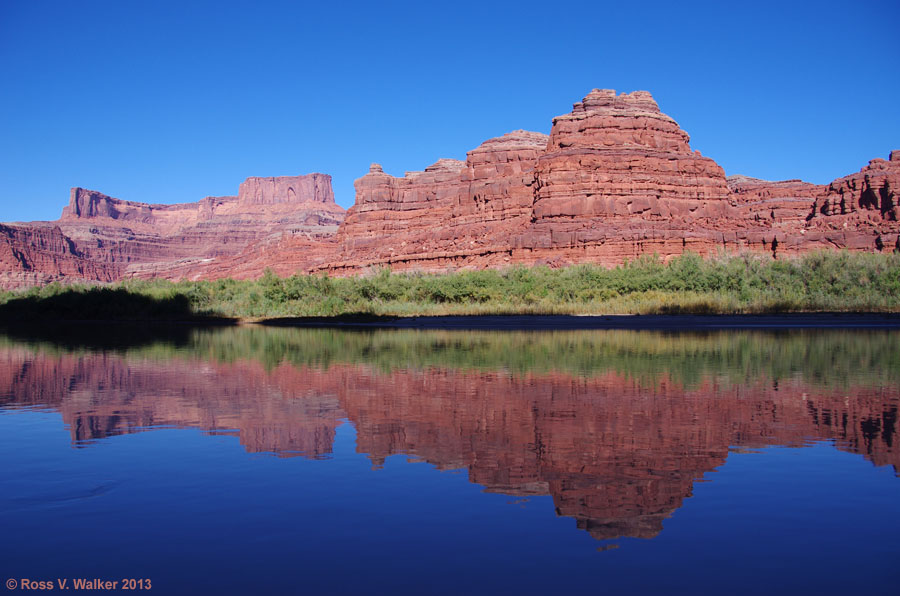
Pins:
x,y
617,453
285,411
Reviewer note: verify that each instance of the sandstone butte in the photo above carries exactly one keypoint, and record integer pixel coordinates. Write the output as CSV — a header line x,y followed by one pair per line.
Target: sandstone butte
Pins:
x,y
99,238
615,179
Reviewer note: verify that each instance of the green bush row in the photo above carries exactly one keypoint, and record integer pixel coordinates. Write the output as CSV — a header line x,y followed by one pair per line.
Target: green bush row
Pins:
x,y
822,281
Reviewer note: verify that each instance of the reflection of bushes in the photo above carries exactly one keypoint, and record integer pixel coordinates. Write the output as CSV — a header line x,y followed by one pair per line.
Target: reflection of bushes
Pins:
x,y
829,358
826,281
826,358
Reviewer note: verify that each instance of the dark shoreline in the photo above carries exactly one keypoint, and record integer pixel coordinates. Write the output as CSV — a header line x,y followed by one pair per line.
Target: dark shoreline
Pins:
x,y
175,326
574,322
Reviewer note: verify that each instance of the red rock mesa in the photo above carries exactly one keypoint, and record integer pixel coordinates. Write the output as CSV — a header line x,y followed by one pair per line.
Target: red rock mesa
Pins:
x,y
99,238
615,179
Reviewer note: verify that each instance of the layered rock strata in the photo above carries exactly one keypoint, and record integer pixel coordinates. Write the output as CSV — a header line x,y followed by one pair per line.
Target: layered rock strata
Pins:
x,y
615,179
861,209
100,238
35,255
784,204
619,179
453,213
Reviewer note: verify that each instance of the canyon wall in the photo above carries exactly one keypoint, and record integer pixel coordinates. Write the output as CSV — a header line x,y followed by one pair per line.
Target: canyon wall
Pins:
x,y
784,205
100,238
619,179
615,179
856,208
454,213
33,255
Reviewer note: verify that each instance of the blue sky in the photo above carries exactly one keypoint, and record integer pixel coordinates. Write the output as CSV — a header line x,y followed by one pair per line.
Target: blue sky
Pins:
x,y
172,101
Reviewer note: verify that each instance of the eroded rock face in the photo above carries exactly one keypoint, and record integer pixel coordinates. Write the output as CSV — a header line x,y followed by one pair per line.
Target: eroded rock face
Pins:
x,y
615,179
861,211
873,190
784,204
313,188
101,238
39,254
618,180
454,213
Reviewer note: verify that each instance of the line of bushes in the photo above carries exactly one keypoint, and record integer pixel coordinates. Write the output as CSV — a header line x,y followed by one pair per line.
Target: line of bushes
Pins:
x,y
823,281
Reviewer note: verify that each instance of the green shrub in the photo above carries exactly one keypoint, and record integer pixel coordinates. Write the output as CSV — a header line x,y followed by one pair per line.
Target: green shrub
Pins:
x,y
830,280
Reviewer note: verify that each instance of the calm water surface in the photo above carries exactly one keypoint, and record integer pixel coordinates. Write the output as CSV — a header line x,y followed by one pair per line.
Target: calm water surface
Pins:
x,y
255,460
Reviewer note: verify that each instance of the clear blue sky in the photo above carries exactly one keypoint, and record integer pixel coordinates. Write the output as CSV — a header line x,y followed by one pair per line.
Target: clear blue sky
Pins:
x,y
173,101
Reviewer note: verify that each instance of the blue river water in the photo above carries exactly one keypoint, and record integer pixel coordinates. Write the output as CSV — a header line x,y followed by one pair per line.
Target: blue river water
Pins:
x,y
256,460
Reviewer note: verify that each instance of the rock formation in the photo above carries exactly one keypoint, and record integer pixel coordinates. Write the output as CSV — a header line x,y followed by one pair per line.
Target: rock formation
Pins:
x,y
615,179
862,209
114,239
35,255
453,214
784,204
619,180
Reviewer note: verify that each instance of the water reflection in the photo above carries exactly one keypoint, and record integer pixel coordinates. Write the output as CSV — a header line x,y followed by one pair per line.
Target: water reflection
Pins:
x,y
615,426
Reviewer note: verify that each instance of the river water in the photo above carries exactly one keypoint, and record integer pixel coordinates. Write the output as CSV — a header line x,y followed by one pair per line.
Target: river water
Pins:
x,y
278,460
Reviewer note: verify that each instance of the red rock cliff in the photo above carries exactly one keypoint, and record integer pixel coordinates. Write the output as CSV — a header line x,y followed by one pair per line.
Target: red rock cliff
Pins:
x,y
861,210
313,188
616,179
453,214
39,254
785,203
115,238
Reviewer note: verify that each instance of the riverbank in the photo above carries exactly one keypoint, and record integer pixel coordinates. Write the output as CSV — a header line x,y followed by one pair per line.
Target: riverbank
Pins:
x,y
631,322
828,282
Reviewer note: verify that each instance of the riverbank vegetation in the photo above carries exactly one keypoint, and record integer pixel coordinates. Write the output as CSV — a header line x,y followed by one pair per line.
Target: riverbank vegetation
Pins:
x,y
823,281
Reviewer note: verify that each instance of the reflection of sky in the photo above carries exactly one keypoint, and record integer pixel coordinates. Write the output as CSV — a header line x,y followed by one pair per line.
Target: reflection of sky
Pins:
x,y
196,512
497,472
